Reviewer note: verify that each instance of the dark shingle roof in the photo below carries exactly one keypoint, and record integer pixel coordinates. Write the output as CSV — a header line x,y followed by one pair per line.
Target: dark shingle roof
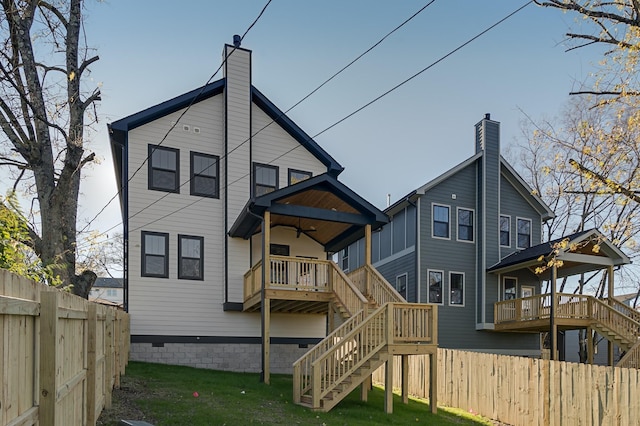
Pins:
x,y
108,282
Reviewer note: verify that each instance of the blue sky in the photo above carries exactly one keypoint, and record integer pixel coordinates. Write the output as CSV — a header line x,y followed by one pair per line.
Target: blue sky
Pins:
x,y
154,50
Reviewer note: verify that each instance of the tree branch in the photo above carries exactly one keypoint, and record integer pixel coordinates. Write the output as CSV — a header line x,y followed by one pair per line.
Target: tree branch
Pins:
x,y
55,11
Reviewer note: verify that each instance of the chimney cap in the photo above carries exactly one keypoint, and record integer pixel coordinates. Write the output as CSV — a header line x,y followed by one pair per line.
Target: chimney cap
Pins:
x,y
237,40
487,116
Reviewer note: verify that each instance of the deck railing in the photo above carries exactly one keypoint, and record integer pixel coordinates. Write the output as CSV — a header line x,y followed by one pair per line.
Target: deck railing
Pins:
x,y
293,273
622,308
358,340
346,292
632,358
371,283
575,306
612,319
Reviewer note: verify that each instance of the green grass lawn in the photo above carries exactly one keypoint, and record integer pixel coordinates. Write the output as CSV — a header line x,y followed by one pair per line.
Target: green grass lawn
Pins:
x,y
164,395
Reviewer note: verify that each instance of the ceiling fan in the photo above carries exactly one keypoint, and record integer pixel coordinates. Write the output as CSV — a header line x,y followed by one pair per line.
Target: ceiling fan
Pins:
x,y
300,230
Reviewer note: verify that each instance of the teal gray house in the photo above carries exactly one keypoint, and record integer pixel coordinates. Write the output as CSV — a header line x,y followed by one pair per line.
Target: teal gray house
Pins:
x,y
444,237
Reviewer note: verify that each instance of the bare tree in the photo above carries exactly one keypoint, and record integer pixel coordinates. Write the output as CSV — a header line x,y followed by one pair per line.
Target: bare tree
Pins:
x,y
43,107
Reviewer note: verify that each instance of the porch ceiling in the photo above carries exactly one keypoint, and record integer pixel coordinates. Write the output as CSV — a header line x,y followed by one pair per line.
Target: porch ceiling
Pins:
x,y
321,207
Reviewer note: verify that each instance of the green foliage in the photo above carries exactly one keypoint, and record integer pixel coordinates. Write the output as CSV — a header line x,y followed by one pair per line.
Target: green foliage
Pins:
x,y
15,254
164,395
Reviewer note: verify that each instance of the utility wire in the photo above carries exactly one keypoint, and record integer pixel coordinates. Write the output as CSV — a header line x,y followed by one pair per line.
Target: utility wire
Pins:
x,y
297,103
357,110
174,124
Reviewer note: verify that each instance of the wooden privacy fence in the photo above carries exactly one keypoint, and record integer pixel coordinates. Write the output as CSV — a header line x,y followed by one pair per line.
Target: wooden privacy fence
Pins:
x,y
60,355
527,391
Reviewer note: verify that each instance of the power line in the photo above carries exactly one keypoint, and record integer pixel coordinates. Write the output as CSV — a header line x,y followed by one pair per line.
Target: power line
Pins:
x,y
174,124
297,103
397,86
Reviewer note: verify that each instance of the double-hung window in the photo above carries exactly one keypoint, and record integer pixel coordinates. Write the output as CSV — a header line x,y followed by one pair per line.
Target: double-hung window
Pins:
x,y
524,233
505,231
190,257
155,254
345,259
456,284
509,288
435,286
164,172
401,285
204,175
465,224
265,179
440,221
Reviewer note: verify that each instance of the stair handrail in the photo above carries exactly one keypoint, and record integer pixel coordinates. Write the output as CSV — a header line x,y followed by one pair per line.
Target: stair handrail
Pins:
x,y
371,282
348,293
302,366
331,368
627,310
632,358
622,325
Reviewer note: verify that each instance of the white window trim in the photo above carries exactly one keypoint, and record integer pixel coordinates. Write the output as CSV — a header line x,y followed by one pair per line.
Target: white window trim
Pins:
x,y
530,231
473,225
510,231
502,287
406,288
464,288
441,289
433,219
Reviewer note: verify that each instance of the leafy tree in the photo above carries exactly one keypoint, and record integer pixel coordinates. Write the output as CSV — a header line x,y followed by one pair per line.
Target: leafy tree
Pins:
x,y
43,108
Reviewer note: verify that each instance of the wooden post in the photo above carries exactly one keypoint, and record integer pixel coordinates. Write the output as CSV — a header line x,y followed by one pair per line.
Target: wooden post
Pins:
x,y
589,345
48,357
364,389
388,385
92,358
610,359
553,328
109,361
405,379
266,303
433,381
367,244
116,350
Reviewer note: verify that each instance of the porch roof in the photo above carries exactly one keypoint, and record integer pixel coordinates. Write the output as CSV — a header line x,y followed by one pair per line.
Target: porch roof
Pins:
x,y
320,207
578,255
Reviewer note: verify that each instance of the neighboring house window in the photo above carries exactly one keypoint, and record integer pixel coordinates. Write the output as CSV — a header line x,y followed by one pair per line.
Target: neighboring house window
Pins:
x,y
465,225
190,257
440,221
456,282
155,250
265,179
524,233
296,176
435,286
204,175
509,288
112,293
401,285
505,231
163,168
345,259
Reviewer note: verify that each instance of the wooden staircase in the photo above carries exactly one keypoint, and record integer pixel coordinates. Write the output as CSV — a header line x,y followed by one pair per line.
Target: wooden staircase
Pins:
x,y
383,326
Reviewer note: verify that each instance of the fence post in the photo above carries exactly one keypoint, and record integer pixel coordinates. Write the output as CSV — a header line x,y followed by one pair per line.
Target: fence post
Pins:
x,y
92,325
108,358
116,349
48,357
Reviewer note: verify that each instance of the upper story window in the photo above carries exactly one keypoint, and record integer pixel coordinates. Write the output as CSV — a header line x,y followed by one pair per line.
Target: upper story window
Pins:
x,y
440,221
505,231
163,168
465,224
204,175
265,179
296,176
155,254
190,257
524,233
435,286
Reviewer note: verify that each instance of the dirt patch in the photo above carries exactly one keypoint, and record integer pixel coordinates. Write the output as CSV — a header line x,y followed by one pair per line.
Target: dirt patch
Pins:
x,y
123,403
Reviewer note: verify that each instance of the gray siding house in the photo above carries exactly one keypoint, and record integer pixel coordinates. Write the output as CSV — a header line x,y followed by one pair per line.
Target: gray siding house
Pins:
x,y
444,236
